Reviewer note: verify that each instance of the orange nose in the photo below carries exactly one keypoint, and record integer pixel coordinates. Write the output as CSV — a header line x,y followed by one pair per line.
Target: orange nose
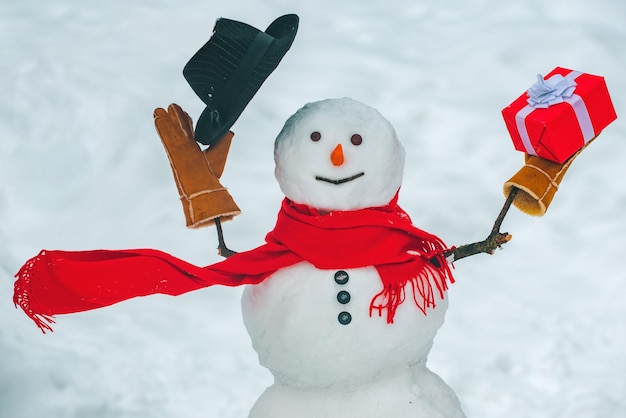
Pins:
x,y
336,157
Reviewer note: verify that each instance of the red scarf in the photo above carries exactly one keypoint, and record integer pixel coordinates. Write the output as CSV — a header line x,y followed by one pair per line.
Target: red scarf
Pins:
x,y
60,282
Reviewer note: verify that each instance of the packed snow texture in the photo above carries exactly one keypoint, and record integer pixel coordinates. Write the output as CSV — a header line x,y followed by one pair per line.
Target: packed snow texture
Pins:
x,y
536,330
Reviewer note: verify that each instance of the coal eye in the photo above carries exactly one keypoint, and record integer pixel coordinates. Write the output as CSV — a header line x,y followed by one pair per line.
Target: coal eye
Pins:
x,y
316,136
356,139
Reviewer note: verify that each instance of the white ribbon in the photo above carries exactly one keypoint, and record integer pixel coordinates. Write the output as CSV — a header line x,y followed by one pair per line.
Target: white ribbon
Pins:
x,y
545,93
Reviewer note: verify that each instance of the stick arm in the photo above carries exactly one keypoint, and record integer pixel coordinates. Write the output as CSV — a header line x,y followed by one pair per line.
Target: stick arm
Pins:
x,y
494,240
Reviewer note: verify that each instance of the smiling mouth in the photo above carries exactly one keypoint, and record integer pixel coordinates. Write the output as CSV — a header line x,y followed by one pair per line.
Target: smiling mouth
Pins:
x,y
339,181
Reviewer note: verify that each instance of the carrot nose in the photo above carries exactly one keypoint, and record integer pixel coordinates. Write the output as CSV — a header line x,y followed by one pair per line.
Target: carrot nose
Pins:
x,y
336,157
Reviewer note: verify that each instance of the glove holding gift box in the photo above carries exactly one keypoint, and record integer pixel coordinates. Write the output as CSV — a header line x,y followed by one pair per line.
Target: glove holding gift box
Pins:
x,y
552,123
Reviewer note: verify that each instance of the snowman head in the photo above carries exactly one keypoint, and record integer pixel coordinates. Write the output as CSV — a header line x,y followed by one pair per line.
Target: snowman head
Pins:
x,y
338,154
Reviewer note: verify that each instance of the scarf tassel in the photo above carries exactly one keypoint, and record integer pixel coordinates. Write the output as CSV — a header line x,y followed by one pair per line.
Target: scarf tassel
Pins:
x,y
22,291
394,294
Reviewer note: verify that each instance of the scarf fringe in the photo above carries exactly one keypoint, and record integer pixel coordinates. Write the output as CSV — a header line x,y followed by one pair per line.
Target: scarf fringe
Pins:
x,y
394,294
22,291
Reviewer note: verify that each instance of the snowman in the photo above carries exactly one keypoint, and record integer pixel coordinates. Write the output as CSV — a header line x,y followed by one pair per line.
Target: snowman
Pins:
x,y
344,299
317,330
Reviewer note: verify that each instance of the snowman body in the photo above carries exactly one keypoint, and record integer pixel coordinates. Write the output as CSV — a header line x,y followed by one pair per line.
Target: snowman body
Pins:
x,y
331,355
329,358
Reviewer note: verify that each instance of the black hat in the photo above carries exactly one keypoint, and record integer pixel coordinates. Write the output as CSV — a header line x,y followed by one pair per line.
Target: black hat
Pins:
x,y
231,67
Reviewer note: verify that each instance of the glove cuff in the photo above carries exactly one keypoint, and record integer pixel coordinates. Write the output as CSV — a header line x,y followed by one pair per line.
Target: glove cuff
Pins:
x,y
538,181
202,208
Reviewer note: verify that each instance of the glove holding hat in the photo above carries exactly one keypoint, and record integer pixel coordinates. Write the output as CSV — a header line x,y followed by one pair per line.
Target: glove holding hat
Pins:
x,y
225,74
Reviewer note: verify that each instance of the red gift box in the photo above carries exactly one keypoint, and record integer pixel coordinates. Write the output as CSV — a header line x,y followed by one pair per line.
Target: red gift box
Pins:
x,y
558,115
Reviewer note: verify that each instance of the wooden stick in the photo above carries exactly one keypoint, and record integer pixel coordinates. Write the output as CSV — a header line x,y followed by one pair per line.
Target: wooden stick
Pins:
x,y
493,241
222,249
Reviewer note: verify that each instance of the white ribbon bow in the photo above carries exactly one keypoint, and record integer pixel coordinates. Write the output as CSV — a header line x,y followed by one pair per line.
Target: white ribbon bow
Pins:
x,y
545,93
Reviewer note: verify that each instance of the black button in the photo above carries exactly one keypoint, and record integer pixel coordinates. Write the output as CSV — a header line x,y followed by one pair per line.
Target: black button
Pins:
x,y
344,318
341,277
343,297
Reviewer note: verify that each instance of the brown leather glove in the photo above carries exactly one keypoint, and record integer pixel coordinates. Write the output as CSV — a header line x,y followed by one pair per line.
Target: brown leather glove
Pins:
x,y
537,181
196,172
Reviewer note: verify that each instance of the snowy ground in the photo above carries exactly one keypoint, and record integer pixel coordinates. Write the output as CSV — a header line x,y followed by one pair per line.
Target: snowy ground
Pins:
x,y
537,330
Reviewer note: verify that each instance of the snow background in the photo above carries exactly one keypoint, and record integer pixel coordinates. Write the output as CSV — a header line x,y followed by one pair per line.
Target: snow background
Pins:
x,y
537,330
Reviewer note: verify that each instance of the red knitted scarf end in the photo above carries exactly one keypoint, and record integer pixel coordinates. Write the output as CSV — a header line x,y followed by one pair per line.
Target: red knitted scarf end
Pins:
x,y
434,275
22,291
